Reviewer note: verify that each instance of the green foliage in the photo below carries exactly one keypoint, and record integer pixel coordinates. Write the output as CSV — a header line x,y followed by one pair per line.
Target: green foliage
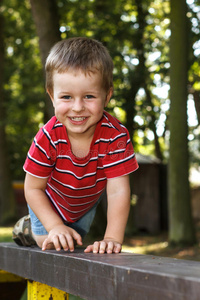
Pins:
x,y
137,36
133,31
23,88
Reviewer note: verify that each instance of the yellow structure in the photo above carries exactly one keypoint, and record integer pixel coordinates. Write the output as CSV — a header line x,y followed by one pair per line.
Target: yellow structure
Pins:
x,y
35,290
40,291
8,277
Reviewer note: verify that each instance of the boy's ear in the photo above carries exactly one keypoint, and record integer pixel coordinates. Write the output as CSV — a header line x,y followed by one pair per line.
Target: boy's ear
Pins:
x,y
108,96
51,96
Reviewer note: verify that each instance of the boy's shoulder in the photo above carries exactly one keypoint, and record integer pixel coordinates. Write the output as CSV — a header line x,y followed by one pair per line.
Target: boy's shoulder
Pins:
x,y
53,130
115,126
52,124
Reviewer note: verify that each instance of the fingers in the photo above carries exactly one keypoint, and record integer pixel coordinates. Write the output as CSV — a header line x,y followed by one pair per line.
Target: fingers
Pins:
x,y
47,245
117,248
104,247
62,241
77,238
51,242
59,241
89,249
110,247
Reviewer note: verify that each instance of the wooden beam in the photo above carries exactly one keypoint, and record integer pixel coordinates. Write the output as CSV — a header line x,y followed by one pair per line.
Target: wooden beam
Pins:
x,y
105,276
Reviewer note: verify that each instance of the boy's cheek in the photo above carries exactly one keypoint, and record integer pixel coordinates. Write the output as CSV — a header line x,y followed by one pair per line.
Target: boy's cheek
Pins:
x,y
60,106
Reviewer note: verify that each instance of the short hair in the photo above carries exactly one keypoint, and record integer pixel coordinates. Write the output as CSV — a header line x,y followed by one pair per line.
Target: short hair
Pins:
x,y
79,53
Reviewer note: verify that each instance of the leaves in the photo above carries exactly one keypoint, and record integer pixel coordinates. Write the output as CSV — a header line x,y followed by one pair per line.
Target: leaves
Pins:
x,y
137,35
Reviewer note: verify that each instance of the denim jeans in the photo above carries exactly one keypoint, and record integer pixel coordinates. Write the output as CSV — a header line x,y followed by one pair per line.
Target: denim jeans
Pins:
x,y
82,226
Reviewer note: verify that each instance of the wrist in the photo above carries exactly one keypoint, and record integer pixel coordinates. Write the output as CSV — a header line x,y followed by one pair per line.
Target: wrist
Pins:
x,y
53,225
108,238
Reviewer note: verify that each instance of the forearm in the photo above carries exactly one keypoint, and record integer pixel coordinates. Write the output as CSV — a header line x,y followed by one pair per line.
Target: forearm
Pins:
x,y
117,215
118,195
40,204
59,236
117,220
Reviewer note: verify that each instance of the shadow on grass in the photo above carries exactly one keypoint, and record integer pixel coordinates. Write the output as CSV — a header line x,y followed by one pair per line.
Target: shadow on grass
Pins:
x,y
158,245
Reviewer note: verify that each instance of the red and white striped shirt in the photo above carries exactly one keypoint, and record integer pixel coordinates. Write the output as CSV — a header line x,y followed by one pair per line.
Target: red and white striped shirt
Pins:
x,y
75,184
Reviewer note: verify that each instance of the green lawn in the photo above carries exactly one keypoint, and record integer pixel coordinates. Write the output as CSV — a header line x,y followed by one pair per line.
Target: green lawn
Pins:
x,y
5,234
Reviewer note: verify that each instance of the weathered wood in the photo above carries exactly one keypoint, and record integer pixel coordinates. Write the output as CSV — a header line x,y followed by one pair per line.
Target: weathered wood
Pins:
x,y
105,276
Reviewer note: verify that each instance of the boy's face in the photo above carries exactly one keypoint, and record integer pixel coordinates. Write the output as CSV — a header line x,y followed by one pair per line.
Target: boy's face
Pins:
x,y
79,101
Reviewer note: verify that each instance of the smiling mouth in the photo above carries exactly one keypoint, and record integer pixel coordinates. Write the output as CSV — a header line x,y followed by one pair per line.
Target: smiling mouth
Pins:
x,y
78,119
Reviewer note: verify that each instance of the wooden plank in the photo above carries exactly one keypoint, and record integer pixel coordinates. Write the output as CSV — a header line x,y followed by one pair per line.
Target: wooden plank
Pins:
x,y
105,276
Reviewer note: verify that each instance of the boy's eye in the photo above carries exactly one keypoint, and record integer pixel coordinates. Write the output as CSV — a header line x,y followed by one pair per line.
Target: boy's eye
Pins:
x,y
89,97
66,97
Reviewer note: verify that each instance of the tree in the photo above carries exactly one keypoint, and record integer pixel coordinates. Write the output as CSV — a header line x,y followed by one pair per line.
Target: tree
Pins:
x,y
47,24
180,219
7,202
137,36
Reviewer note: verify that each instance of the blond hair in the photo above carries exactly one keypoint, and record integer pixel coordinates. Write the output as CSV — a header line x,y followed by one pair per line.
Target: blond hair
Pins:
x,y
80,53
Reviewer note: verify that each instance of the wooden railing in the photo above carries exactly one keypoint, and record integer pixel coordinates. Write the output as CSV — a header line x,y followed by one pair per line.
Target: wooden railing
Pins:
x,y
91,276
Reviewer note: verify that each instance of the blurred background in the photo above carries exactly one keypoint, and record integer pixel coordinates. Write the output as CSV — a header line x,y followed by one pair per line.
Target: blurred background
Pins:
x,y
150,42
155,46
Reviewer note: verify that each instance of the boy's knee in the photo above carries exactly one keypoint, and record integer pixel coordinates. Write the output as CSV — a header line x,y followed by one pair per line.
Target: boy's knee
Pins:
x,y
39,239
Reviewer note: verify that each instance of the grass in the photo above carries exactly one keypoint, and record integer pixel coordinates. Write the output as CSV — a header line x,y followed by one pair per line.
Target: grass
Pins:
x,y
5,234
145,244
158,245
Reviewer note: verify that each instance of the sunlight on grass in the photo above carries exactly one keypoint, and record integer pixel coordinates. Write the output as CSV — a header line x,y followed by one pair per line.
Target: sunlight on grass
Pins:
x,y
145,249
6,234
6,231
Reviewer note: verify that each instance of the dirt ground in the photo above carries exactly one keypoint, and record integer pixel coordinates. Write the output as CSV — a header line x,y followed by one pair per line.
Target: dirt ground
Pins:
x,y
158,245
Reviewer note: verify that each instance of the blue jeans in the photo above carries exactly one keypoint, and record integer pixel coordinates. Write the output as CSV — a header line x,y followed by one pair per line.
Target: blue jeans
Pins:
x,y
82,226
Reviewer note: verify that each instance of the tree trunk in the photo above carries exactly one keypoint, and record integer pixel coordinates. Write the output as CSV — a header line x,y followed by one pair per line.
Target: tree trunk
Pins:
x,y
137,77
152,125
7,201
181,229
196,96
47,25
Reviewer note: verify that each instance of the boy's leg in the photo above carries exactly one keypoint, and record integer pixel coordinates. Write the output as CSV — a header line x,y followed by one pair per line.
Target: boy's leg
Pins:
x,y
29,230
39,233
40,239
82,226
22,234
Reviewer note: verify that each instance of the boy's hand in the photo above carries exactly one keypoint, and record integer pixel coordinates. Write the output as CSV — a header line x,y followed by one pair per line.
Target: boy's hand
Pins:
x,y
104,246
60,237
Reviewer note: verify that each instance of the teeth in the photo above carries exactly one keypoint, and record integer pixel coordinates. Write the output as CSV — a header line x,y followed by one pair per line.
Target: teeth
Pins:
x,y
78,118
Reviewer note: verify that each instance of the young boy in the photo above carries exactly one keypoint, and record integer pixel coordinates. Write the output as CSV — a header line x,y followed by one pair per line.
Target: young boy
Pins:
x,y
81,152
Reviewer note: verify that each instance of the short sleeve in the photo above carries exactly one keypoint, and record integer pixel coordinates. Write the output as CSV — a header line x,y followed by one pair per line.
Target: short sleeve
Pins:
x,y
41,156
120,159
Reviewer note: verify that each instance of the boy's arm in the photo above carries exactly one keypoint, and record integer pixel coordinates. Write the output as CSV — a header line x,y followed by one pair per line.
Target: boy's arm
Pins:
x,y
59,234
118,195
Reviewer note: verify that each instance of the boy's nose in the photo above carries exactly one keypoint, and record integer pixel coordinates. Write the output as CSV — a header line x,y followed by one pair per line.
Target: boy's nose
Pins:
x,y
78,105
